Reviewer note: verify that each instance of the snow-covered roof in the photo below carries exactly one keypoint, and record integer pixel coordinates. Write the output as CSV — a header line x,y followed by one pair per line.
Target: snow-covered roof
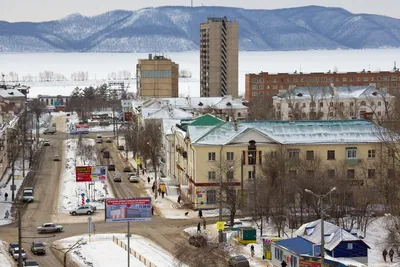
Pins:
x,y
285,132
165,113
10,93
333,234
168,124
340,92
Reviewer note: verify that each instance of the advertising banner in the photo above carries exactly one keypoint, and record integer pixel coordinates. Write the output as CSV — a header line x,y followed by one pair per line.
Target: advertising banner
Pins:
x,y
128,209
91,173
79,129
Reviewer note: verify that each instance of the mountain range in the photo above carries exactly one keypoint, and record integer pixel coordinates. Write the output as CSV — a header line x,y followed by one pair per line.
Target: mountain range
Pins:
x,y
176,28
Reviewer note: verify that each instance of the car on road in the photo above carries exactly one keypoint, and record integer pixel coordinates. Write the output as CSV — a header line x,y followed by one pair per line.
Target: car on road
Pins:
x,y
127,169
15,253
56,158
31,263
28,194
38,248
121,148
117,178
50,130
11,247
108,140
99,139
133,178
239,261
111,167
85,209
46,143
49,228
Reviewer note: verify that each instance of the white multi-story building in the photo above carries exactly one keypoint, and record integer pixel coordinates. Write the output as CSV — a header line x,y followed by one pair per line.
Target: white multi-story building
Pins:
x,y
333,103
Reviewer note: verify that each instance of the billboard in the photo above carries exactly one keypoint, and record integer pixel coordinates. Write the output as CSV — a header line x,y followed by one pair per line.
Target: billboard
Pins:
x,y
90,173
128,209
79,129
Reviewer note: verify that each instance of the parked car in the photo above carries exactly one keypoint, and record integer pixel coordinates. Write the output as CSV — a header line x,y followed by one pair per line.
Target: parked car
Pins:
x,y
11,247
46,143
99,139
121,148
49,228
31,263
239,261
133,178
85,209
38,248
111,167
28,194
117,178
68,114
127,169
50,130
16,253
108,140
56,158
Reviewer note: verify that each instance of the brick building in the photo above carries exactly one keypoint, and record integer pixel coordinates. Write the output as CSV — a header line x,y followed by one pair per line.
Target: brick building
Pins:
x,y
267,85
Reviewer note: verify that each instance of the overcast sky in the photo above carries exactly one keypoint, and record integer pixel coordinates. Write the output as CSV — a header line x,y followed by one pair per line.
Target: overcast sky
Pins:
x,y
44,10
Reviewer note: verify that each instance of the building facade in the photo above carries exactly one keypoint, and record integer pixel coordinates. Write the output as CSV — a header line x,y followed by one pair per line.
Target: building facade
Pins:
x,y
334,103
219,58
235,152
157,77
57,103
267,85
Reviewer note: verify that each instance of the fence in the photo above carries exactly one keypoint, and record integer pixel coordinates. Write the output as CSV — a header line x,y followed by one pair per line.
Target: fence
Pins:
x,y
133,252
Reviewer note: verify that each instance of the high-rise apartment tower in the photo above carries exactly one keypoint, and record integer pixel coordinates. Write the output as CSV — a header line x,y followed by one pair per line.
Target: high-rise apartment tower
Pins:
x,y
219,57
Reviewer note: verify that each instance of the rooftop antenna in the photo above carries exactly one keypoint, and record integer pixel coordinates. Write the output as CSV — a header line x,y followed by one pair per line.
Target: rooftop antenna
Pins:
x,y
395,66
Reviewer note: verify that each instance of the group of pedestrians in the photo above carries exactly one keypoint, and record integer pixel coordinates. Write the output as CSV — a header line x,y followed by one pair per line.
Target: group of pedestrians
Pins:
x,y
385,253
200,215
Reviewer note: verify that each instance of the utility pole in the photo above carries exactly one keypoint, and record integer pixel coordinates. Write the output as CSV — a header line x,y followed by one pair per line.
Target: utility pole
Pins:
x,y
220,238
19,235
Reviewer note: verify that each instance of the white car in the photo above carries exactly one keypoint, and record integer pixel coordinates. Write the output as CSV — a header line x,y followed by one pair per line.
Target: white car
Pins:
x,y
16,253
46,143
49,228
133,178
85,209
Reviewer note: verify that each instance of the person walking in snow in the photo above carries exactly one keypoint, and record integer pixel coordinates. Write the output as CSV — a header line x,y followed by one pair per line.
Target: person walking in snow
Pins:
x,y
384,254
148,178
391,254
199,228
6,215
179,199
200,214
153,188
152,210
204,223
5,196
252,250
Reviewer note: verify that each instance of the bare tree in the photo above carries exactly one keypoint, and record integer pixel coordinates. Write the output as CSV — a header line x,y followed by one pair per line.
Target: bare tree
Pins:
x,y
85,150
38,108
261,109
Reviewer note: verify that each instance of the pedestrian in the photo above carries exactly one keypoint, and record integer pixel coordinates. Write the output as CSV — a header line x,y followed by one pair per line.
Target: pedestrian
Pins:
x,y
200,214
5,196
152,210
179,199
162,193
199,228
159,190
143,171
391,253
148,178
204,223
283,263
6,215
384,254
252,250
153,188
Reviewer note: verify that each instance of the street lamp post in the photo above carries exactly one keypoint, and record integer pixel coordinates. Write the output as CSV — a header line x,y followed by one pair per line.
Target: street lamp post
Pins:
x,y
320,202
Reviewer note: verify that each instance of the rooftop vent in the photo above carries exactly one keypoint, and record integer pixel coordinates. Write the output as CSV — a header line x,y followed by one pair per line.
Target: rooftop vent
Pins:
x,y
299,94
374,93
11,93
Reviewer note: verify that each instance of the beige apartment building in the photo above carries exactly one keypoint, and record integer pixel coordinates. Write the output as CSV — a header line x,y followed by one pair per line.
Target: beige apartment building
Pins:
x,y
219,58
157,77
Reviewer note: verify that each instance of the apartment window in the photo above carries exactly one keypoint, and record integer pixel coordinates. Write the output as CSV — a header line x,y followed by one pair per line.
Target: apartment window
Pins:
x,y
254,87
372,103
351,174
341,104
230,156
274,80
230,175
294,153
331,104
295,80
251,175
312,105
391,153
321,104
254,94
275,87
351,113
331,114
351,104
385,78
379,78
372,79
351,153
304,105
310,155
351,79
358,79
331,173
47,101
156,74
365,79
211,196
345,79
261,80
371,153
371,173
211,156
379,113
254,80
331,155
288,79
211,175
363,103
379,103
394,78
251,158
261,93
394,84
261,87
52,101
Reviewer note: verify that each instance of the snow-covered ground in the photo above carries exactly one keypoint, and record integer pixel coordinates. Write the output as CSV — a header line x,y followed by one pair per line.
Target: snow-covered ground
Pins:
x,y
101,251
70,190
5,258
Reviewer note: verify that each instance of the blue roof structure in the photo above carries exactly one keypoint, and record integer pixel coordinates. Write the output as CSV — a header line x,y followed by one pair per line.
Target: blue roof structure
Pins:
x,y
298,245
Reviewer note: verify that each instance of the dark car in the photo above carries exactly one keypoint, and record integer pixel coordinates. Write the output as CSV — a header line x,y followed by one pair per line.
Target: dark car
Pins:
x,y
31,263
121,148
239,261
111,167
108,140
127,169
38,248
11,247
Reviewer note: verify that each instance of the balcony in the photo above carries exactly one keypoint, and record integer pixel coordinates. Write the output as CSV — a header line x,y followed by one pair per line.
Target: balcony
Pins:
x,y
353,161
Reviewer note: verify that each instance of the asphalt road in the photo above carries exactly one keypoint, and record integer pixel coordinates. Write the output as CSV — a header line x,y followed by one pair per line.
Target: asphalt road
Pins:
x,y
166,233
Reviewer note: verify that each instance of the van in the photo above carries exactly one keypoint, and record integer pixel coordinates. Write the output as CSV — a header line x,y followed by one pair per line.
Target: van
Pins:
x,y
28,194
239,261
99,139
50,130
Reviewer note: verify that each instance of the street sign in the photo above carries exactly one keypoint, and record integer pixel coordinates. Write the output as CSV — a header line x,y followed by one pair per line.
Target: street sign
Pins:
x,y
13,187
87,200
83,195
220,226
138,161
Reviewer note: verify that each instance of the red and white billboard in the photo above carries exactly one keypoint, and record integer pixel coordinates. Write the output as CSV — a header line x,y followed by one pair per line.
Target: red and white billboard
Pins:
x,y
129,209
79,129
91,173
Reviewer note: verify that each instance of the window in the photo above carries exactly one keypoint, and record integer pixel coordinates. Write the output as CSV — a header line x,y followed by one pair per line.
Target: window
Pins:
x,y
275,87
350,174
310,155
274,80
261,87
294,154
211,196
254,94
211,175
273,154
351,79
293,260
47,101
331,114
254,87
211,156
344,79
304,105
156,74
230,156
372,103
379,113
254,80
349,246
251,175
331,155
331,173
379,103
391,153
351,114
371,153
321,104
251,159
52,101
385,78
371,173
261,80
351,104
351,153
341,104
230,175
358,79
365,79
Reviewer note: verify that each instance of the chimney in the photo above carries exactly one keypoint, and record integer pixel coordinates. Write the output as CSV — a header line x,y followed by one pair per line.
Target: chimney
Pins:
x,y
235,125
150,56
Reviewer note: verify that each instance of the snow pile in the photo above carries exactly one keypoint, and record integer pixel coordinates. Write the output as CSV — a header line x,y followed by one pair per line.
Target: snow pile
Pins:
x,y
5,258
70,191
